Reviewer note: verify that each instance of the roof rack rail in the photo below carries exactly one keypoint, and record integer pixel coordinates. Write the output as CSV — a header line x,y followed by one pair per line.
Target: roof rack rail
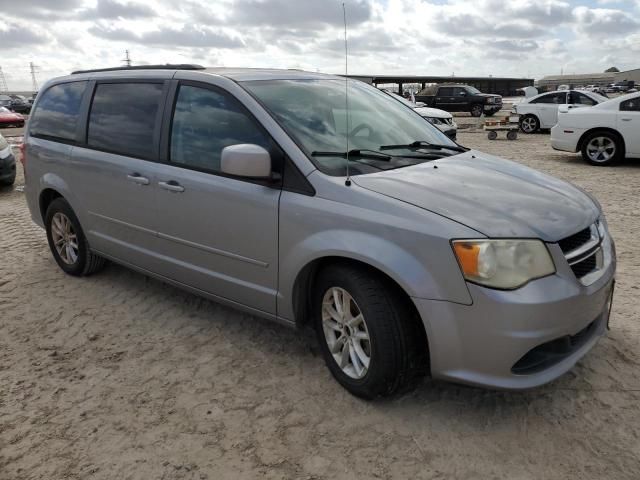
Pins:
x,y
168,66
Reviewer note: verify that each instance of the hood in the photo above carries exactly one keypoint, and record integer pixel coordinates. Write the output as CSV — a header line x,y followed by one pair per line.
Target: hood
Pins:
x,y
495,197
487,95
10,116
432,112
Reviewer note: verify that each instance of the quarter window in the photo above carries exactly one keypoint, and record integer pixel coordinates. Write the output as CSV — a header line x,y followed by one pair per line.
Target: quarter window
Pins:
x,y
123,118
206,121
58,111
631,105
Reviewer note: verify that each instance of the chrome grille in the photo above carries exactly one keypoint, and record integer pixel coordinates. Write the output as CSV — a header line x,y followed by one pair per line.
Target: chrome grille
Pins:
x,y
583,251
575,241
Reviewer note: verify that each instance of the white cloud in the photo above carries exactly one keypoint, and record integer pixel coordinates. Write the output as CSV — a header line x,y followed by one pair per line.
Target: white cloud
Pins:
x,y
470,37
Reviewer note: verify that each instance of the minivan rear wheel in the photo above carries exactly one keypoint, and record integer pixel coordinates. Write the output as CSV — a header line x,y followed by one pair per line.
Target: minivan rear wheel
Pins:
x,y
67,241
366,332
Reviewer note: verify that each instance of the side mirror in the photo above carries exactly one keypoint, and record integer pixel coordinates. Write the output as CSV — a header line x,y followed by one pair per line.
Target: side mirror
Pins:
x,y
463,94
246,160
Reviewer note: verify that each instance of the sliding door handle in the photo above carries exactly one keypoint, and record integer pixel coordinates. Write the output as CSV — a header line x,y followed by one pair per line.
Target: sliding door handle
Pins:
x,y
172,186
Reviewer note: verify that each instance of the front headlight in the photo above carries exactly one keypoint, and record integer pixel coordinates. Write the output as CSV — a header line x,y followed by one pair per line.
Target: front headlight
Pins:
x,y
428,119
503,264
491,100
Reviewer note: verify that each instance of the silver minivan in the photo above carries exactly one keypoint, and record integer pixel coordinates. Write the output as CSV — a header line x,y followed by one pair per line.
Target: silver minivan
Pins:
x,y
276,192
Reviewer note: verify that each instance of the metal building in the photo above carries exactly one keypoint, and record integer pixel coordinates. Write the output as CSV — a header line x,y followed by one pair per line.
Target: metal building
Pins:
x,y
501,85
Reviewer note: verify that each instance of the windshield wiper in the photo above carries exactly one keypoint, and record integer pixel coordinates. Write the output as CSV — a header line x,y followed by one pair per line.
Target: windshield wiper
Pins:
x,y
423,144
372,154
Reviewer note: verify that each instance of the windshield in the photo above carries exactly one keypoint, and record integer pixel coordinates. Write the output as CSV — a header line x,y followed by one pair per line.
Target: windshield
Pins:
x,y
473,90
313,113
598,97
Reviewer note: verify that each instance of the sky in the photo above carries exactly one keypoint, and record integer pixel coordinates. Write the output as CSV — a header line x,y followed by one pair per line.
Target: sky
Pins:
x,y
431,37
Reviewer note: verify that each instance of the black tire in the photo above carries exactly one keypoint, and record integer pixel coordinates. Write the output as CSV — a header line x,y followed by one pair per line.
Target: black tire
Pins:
x,y
398,347
529,124
492,135
87,262
606,138
512,135
476,110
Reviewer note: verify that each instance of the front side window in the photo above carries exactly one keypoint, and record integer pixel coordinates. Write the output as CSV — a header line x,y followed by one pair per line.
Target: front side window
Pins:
x,y
57,112
206,121
123,118
578,98
459,92
632,105
314,114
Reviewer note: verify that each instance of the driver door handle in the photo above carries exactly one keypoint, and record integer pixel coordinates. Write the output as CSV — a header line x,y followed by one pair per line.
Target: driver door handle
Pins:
x,y
172,186
625,119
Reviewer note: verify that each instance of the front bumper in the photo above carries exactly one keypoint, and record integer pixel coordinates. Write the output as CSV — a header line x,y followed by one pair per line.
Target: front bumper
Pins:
x,y
565,139
449,131
483,343
7,167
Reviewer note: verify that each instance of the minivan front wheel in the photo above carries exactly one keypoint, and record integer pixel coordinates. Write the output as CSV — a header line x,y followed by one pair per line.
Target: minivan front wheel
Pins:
x,y
367,332
67,242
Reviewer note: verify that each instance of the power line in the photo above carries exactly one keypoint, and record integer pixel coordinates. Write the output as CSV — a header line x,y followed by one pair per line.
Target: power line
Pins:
x,y
3,82
34,81
127,58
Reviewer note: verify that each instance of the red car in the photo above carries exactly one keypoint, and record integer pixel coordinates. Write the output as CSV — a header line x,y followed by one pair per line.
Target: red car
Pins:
x,y
9,118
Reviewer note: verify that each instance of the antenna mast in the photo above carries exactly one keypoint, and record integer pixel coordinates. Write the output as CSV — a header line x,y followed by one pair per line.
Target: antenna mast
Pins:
x,y
346,91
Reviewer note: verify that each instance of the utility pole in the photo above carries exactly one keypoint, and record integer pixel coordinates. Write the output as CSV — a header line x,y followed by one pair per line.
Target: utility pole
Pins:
x,y
34,82
127,58
3,82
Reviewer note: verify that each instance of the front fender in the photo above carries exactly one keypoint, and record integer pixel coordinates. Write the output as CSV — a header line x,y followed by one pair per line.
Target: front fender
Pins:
x,y
411,273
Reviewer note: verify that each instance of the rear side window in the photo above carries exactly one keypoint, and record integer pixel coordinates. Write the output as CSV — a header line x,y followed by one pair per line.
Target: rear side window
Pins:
x,y
445,92
206,121
58,111
123,118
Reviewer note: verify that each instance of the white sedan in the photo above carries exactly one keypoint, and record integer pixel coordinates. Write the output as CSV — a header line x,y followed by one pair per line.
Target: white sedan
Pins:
x,y
440,119
604,134
541,111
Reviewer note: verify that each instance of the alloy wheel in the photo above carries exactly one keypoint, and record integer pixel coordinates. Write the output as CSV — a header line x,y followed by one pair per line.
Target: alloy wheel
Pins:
x,y
529,125
346,333
64,238
601,149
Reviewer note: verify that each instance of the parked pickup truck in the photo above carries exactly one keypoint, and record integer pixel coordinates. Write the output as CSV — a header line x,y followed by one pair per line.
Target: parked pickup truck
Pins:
x,y
460,98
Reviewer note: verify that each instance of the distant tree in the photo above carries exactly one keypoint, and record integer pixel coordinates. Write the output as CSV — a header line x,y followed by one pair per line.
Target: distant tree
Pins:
x,y
611,70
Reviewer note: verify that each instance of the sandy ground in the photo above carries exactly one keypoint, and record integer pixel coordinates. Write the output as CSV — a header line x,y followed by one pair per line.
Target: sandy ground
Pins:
x,y
118,376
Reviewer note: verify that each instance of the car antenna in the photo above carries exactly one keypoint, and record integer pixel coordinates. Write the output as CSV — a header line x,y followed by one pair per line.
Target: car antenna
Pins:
x,y
346,91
